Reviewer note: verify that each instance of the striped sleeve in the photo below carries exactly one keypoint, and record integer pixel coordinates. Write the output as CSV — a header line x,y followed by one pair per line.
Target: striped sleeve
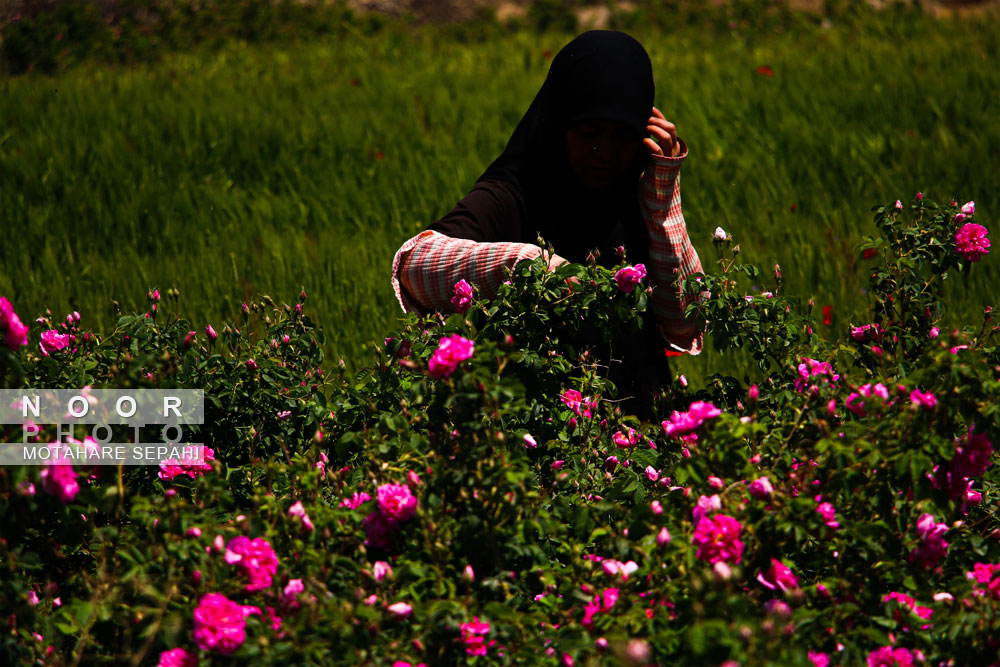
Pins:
x,y
671,255
427,266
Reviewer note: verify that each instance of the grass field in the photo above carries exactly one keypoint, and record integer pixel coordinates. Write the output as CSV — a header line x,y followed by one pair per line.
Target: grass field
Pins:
x,y
266,169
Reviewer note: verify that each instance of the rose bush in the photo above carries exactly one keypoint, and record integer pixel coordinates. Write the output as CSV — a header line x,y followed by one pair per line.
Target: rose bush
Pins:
x,y
476,493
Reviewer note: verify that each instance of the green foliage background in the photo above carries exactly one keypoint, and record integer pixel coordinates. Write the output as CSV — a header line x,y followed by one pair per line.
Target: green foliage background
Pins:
x,y
267,167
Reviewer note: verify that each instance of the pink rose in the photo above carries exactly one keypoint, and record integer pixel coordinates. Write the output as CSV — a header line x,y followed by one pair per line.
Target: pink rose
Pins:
x,y
210,332
685,423
890,657
256,558
969,208
717,539
59,480
396,502
921,399
971,242
829,514
777,576
52,340
15,332
355,500
170,468
817,658
220,623
474,636
461,296
177,657
297,510
451,351
761,488
630,276
932,547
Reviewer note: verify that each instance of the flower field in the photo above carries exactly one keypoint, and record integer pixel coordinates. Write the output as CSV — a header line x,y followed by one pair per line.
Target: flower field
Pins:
x,y
264,168
475,495
819,487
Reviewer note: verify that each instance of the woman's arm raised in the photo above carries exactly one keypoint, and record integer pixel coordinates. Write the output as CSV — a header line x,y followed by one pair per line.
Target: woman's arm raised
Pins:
x,y
671,255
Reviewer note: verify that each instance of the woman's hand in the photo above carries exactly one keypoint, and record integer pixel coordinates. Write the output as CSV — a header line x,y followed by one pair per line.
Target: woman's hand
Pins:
x,y
664,141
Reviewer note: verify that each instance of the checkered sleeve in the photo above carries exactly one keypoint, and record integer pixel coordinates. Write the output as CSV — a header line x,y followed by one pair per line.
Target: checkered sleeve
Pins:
x,y
671,255
427,266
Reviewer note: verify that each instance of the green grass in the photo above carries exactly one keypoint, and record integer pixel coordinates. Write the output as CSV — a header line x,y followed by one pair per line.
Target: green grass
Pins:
x,y
251,170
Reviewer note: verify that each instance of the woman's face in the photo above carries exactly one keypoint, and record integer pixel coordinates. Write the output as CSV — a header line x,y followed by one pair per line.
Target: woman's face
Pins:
x,y
600,151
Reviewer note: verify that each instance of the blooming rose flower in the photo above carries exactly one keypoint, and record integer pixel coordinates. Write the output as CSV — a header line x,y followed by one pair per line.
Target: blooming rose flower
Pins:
x,y
356,500
921,399
819,659
602,602
297,510
932,547
15,332
220,623
396,502
256,558
170,468
52,341
578,403
969,208
613,568
887,656
685,423
989,575
474,636
451,351
706,505
59,480
717,539
906,601
461,296
829,514
867,332
777,576
178,657
761,488
971,242
629,276
291,590
809,369
623,441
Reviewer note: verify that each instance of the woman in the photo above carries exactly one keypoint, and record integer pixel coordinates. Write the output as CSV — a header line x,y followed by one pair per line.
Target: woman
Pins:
x,y
592,165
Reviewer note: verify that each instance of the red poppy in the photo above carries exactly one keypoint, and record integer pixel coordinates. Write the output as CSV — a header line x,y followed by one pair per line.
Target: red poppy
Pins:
x,y
765,70
868,253
827,315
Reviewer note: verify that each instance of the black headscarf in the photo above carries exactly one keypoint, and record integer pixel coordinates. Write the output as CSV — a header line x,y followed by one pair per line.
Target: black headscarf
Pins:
x,y
600,75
